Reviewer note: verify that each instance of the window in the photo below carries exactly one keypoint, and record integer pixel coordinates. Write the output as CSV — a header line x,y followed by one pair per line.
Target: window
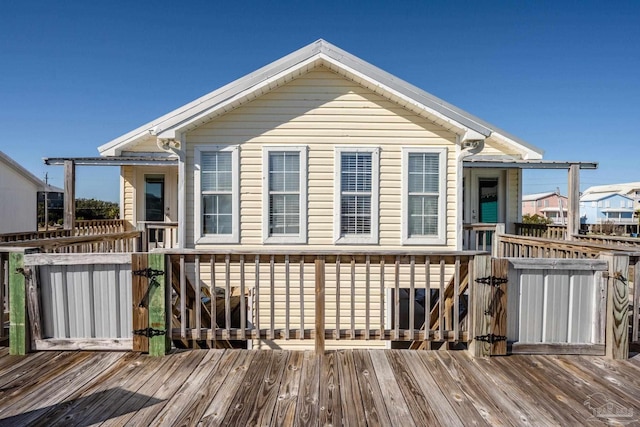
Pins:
x,y
546,203
356,195
284,195
217,201
593,204
423,196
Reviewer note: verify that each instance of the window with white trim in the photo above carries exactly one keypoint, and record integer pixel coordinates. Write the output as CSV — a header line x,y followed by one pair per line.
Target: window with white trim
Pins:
x,y
217,201
356,195
284,194
423,196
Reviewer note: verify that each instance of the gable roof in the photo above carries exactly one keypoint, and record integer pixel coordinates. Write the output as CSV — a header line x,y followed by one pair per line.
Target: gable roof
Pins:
x,y
538,196
624,188
593,197
318,53
27,175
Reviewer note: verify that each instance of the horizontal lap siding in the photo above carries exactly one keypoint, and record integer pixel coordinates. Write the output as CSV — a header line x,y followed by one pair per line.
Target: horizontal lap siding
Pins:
x,y
322,110
128,182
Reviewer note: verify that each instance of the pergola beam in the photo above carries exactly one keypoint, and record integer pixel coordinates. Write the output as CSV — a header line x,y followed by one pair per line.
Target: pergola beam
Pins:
x,y
69,194
573,219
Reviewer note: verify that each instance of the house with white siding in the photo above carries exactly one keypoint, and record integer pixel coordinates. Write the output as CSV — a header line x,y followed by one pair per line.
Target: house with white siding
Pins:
x,y
323,151
19,197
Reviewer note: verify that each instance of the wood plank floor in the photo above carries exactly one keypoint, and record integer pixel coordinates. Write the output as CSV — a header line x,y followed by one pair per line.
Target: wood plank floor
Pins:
x,y
351,387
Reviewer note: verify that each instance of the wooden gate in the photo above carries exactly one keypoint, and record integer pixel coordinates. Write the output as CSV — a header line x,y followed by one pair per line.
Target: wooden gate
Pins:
x,y
489,308
557,306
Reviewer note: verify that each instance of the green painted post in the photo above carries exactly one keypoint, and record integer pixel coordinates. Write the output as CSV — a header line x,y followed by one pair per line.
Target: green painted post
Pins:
x,y
158,345
17,305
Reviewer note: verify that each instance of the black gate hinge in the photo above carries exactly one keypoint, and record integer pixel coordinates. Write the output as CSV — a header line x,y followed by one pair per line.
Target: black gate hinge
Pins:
x,y
149,332
491,338
151,274
492,280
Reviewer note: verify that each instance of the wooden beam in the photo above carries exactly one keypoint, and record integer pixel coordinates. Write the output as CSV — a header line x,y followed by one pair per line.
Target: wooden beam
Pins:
x,y
140,316
158,345
69,194
498,306
481,322
33,305
320,295
617,320
17,305
573,214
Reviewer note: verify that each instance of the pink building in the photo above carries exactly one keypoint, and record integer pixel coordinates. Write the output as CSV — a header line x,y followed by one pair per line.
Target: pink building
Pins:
x,y
548,205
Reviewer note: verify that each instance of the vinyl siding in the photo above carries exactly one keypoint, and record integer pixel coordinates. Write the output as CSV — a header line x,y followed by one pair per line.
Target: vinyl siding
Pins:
x,y
321,110
127,174
18,202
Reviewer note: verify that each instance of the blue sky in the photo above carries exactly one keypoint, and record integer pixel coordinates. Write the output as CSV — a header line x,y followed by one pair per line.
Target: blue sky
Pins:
x,y
562,75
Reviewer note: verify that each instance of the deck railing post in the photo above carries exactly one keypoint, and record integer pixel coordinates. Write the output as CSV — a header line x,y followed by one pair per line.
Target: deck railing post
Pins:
x,y
617,318
320,300
159,345
496,243
480,322
17,305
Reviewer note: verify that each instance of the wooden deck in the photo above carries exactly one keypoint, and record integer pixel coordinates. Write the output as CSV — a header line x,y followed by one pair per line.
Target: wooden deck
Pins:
x,y
359,387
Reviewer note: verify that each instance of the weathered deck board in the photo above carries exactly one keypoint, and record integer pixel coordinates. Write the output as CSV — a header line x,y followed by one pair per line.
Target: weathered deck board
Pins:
x,y
347,387
452,403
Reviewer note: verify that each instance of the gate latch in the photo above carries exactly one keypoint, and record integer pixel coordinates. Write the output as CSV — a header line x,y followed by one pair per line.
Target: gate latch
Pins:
x,y
491,338
151,274
149,332
492,280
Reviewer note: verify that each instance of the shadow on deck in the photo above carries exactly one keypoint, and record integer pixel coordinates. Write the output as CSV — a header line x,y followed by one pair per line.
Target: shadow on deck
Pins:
x,y
349,387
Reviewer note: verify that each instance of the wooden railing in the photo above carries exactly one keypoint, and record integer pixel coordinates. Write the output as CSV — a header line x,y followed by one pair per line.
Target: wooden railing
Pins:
x,y
624,243
320,295
115,242
99,226
634,289
558,232
82,228
33,235
158,235
480,236
535,247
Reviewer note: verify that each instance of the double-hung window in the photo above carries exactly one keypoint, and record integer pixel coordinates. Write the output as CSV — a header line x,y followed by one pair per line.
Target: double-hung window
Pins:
x,y
356,192
423,196
217,199
284,194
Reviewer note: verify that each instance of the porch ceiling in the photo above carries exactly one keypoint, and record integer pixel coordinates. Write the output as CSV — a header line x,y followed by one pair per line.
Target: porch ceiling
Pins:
x,y
509,162
114,161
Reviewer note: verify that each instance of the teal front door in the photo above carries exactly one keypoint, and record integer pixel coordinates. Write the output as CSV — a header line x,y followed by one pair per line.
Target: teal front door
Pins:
x,y
488,200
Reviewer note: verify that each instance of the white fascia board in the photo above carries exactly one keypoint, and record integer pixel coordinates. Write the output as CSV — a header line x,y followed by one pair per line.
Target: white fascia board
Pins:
x,y
184,121
206,101
527,152
457,126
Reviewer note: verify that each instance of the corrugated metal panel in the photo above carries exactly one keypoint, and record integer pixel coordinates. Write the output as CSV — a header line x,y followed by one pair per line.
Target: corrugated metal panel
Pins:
x,y
86,301
552,306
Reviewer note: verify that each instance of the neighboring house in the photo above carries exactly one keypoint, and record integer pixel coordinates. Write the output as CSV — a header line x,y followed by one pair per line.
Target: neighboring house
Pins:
x,y
629,189
550,205
320,150
601,208
19,197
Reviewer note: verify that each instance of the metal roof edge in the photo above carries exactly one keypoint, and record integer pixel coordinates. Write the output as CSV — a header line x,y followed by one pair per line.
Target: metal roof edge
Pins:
x,y
172,121
22,171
